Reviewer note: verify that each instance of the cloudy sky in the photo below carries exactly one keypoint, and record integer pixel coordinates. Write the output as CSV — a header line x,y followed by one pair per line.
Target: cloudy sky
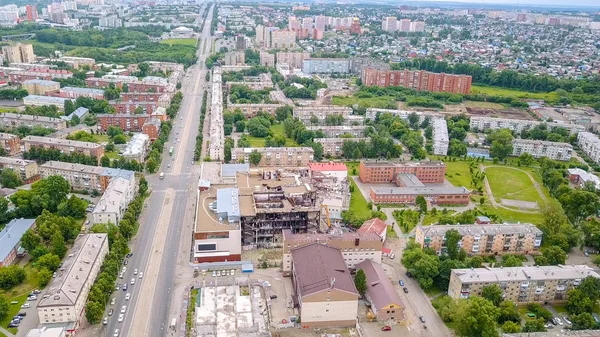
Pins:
x,y
595,3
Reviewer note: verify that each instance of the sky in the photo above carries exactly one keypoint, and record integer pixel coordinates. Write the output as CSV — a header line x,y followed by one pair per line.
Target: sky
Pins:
x,y
595,3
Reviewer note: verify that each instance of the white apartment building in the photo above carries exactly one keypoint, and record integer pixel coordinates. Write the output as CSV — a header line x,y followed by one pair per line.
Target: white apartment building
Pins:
x,y
540,148
70,288
216,147
113,203
590,145
518,125
440,137
35,100
321,112
137,147
357,131
334,146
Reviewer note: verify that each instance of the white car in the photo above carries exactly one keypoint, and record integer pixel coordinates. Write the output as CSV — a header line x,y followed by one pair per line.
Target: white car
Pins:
x,y
121,275
116,334
26,306
232,272
218,273
135,272
127,297
123,309
214,273
112,302
141,274
132,281
124,269
121,318
558,321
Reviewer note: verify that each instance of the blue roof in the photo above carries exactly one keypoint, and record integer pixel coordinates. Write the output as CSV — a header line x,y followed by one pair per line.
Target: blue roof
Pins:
x,y
80,112
228,201
11,235
229,170
126,174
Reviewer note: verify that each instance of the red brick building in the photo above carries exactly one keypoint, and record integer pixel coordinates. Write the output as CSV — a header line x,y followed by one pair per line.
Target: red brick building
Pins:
x,y
38,74
436,195
387,172
127,122
417,79
161,99
151,128
10,143
130,107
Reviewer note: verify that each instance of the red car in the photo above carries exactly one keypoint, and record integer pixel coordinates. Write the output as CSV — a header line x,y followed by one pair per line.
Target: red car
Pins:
x,y
386,328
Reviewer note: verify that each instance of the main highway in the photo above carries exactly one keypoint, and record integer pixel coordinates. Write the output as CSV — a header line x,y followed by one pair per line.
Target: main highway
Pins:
x,y
161,249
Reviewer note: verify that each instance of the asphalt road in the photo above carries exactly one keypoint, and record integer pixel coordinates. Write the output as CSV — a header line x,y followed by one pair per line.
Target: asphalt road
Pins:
x,y
160,236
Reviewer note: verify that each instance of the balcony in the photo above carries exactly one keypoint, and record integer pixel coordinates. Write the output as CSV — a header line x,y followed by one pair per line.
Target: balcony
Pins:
x,y
525,285
539,290
561,287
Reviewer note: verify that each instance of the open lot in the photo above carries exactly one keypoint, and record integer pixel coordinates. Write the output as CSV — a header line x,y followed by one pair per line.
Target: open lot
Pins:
x,y
509,183
276,129
185,42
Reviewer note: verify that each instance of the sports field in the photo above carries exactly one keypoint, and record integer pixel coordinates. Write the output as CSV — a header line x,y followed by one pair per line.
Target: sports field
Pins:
x,y
185,42
510,183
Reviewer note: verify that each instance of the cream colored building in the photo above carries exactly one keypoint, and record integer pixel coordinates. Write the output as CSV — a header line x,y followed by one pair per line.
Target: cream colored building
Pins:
x,y
283,39
333,146
26,169
64,145
113,203
483,239
253,109
520,284
321,112
293,59
275,156
40,87
19,53
70,288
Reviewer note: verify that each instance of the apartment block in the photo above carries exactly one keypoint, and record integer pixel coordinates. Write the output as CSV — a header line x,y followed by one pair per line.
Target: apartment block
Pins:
x,y
540,148
40,87
12,120
70,288
161,99
333,146
283,39
372,113
10,143
293,59
517,125
487,239
131,107
216,145
26,169
542,284
113,203
326,66
387,172
439,195
590,145
75,92
357,131
47,74
321,112
19,53
267,59
275,156
76,62
253,109
234,58
147,84
152,128
355,247
418,80
10,239
64,145
84,177
36,100
137,147
127,122
440,137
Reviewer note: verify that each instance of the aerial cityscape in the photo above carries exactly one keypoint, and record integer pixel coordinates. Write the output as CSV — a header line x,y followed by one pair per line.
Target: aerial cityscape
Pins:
x,y
201,168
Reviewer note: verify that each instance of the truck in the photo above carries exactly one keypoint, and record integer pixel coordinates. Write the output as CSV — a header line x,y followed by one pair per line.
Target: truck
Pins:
x,y
171,151
162,175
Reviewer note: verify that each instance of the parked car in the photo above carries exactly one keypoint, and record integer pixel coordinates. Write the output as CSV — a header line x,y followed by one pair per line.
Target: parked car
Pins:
x,y
127,297
110,312
105,321
112,301
422,319
22,313
135,272
37,291
26,306
121,318
386,328
13,325
273,297
116,334
408,274
132,281
117,286
123,309
401,283
129,255
17,318
567,320
141,274
405,290
558,321
125,287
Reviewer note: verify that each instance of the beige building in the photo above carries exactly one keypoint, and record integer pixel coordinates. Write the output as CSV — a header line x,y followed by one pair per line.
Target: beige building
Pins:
x,y
283,39
356,131
113,203
12,120
10,143
19,53
267,59
293,59
483,239
355,248
234,58
333,146
26,169
81,177
321,112
323,288
252,109
275,156
385,301
70,288
520,284
40,87
65,146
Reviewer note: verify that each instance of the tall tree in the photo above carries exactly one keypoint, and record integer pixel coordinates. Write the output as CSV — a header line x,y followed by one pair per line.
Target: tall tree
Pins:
x,y
360,281
453,237
501,143
9,179
492,293
255,157
477,318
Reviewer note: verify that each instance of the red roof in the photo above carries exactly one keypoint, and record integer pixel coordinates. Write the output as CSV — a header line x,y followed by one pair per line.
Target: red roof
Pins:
x,y
327,167
386,250
374,225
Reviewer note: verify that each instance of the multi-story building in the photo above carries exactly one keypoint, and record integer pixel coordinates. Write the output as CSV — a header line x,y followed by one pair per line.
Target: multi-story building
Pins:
x,y
40,87
283,39
12,120
111,21
147,84
161,99
26,169
152,128
234,58
336,131
333,146
542,284
357,64
293,59
132,107
580,177
253,109
267,59
107,80
407,195
355,247
590,145
418,80
137,147
485,239
75,92
540,148
373,112
275,156
127,122
385,301
323,287
113,203
216,146
10,239
440,137
517,125
69,290
389,24
20,76
321,112
10,143
19,53
387,172
64,145
326,66
76,62
84,177
36,100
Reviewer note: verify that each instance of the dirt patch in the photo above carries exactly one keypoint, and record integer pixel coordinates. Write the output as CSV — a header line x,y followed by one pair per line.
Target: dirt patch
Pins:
x,y
499,113
520,204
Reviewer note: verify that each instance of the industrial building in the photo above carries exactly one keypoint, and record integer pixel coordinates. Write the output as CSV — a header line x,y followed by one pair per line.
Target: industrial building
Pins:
x,y
542,284
541,148
517,125
483,239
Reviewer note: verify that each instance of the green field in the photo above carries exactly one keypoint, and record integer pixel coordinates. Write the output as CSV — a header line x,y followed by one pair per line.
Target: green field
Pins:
x,y
457,172
372,102
511,216
508,183
276,129
19,293
494,91
185,42
358,203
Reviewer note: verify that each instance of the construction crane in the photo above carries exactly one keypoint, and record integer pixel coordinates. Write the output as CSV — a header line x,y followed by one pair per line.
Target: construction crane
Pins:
x,y
327,219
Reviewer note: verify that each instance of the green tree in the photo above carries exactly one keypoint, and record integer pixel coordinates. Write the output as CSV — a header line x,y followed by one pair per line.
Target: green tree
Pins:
x,y
579,302
59,247
501,143
477,318
526,159
143,185
93,311
551,256
421,204
360,280
48,261
492,293
509,312
591,287
535,325
511,327
255,157
9,179
453,237
73,206
511,261
240,126
11,276
30,240
119,139
583,321
425,270
3,308
282,113
579,204
151,165
44,276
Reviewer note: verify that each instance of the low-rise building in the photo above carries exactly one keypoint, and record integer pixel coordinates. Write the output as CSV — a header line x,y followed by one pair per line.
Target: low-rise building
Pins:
x,y
162,99
70,288
27,170
374,226
10,143
10,239
253,109
387,172
80,113
323,288
321,112
64,145
407,195
36,100
581,177
75,92
113,203
275,156
542,284
75,62
326,66
483,239
355,247
357,131
440,137
334,146
541,148
478,123
137,147
373,112
22,75
40,87
127,122
152,128
385,301
84,177
13,120
590,145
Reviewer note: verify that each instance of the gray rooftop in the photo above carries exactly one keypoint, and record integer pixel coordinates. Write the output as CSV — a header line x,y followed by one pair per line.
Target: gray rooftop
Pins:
x,y
61,142
37,81
73,167
11,235
32,118
84,90
110,202
420,190
533,273
491,229
228,201
15,161
230,170
410,180
380,289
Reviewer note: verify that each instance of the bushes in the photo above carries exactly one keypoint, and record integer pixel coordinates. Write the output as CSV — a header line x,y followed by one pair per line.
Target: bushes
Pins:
x,y
200,137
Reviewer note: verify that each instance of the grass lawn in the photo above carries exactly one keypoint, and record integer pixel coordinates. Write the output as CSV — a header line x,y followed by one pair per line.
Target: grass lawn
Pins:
x,y
6,109
512,216
476,89
523,311
185,42
276,129
112,155
102,138
372,102
20,293
510,183
560,309
431,219
390,233
432,291
351,165
457,172
483,105
358,203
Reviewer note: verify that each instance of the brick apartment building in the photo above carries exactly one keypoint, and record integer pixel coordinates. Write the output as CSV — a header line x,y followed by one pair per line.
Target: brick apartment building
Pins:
x,y
275,156
152,128
38,74
74,92
131,107
161,99
417,79
26,169
133,84
387,172
131,123
10,143
64,145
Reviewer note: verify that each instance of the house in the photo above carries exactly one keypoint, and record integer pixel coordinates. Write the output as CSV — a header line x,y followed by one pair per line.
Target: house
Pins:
x,y
376,226
385,302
